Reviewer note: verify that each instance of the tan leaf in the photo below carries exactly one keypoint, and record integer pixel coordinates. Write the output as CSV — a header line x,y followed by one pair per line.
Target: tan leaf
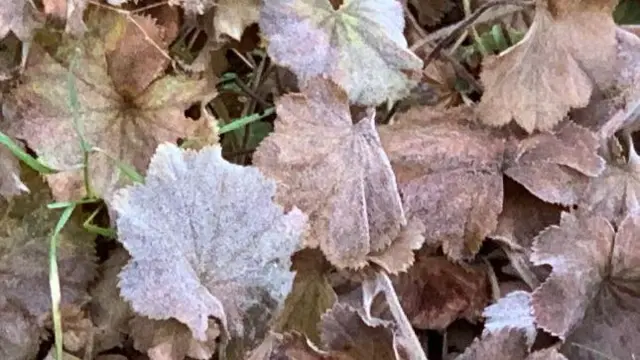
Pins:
x,y
335,171
435,292
399,256
550,71
449,173
233,16
310,297
550,165
70,11
591,297
615,193
127,129
133,54
194,6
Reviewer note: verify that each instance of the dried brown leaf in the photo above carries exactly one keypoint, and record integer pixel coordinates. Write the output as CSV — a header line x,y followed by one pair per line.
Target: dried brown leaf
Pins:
x,y
70,11
133,54
435,292
128,129
399,256
551,71
194,6
613,194
335,171
556,166
449,173
19,333
591,298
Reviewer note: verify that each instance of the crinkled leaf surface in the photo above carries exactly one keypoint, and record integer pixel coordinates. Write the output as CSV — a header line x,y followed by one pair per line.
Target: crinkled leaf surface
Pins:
x,y
360,45
434,292
335,171
206,240
10,183
512,311
615,193
556,166
19,334
450,171
591,297
128,129
550,71
449,174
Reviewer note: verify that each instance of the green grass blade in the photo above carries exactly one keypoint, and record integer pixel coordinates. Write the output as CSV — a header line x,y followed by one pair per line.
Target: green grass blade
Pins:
x,y
94,229
244,121
32,162
54,280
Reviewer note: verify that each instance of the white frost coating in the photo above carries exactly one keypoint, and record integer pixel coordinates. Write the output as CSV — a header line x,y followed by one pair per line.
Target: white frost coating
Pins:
x,y
360,46
206,240
511,311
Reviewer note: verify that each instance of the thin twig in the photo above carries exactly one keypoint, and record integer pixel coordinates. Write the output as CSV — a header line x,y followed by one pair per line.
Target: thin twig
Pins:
x,y
463,25
251,93
457,67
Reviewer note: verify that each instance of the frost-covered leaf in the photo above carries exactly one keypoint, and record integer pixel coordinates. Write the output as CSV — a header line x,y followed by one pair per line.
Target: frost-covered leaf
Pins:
x,y
10,183
233,16
129,129
438,157
310,297
335,171
360,45
17,16
592,296
615,193
550,71
549,164
512,311
206,240
508,344
434,292
171,340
